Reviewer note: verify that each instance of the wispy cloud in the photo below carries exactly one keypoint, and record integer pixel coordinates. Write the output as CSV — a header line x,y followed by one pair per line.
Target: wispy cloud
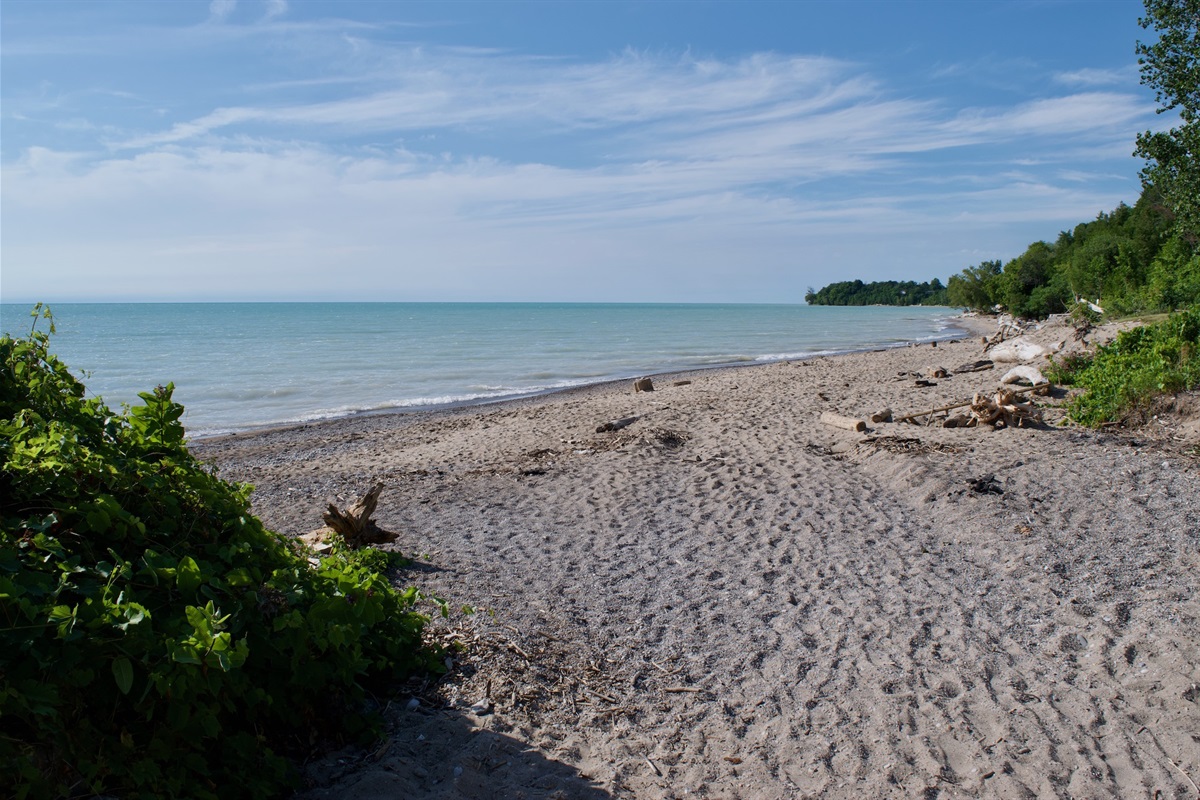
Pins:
x,y
367,153
219,10
1097,77
275,8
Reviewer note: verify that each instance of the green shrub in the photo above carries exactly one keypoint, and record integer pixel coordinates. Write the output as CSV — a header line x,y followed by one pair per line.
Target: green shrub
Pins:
x,y
1142,363
155,639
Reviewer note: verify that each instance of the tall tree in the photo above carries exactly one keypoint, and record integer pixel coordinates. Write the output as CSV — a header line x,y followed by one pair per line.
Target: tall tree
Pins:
x,y
1171,66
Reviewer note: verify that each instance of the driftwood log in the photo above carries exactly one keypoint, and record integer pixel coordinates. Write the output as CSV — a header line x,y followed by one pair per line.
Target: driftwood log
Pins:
x,y
616,424
846,423
354,525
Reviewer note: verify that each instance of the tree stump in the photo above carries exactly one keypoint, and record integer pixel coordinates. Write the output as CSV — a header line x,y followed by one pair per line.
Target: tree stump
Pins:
x,y
354,525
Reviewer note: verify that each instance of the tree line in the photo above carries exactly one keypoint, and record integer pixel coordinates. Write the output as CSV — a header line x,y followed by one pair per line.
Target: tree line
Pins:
x,y
879,293
1130,260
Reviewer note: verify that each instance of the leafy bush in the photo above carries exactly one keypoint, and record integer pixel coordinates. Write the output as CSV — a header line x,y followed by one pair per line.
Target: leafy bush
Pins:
x,y
1124,376
155,638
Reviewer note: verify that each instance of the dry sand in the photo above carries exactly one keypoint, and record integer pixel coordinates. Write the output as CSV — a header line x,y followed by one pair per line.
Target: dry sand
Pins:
x,y
728,598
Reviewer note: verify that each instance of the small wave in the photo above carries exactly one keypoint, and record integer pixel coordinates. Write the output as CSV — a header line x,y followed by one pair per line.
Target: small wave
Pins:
x,y
250,394
797,354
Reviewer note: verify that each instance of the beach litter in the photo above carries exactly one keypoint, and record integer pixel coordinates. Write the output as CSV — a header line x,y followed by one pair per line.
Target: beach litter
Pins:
x,y
986,484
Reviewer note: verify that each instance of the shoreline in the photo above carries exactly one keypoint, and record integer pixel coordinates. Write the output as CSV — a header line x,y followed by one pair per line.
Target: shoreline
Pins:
x,y
967,323
730,598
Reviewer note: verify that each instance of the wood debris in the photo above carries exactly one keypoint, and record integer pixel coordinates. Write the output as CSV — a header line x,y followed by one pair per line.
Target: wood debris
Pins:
x,y
616,424
354,525
1003,409
846,423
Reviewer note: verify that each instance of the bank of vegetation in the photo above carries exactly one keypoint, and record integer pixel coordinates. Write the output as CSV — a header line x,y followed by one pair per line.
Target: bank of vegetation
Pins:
x,y
1122,379
155,639
1128,261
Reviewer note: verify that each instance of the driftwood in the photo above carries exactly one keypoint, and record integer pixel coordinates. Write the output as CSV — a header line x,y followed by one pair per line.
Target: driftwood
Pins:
x,y
1018,350
1003,409
354,525
964,404
1009,327
643,385
1028,373
616,424
882,416
847,423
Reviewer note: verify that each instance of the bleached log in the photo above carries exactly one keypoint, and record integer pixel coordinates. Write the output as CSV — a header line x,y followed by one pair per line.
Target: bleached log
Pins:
x,y
1025,372
846,423
1019,350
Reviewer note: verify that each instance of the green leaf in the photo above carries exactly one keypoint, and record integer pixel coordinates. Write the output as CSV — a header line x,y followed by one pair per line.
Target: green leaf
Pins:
x,y
122,671
239,577
187,575
184,653
97,520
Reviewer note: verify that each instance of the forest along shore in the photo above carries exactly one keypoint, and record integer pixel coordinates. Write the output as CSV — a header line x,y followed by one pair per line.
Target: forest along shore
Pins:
x,y
729,598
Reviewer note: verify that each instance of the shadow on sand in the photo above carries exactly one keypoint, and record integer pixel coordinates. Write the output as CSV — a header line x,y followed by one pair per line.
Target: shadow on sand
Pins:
x,y
441,753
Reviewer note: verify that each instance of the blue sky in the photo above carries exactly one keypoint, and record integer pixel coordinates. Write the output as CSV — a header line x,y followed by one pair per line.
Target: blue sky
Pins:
x,y
556,151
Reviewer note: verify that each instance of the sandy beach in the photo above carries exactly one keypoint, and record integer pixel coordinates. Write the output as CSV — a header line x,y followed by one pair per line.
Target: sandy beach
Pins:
x,y
728,598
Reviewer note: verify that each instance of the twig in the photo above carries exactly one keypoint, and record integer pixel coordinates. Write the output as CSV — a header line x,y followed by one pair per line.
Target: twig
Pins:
x,y
1171,761
654,767
612,700
678,689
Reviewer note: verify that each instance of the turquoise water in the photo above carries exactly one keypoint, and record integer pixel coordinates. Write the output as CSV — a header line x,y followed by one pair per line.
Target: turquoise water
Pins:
x,y
243,365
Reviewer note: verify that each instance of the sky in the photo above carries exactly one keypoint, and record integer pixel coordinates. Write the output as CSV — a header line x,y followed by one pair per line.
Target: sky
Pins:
x,y
550,151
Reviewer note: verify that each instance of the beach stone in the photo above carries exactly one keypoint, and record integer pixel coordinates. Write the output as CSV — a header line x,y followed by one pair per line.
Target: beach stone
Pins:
x,y
643,385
